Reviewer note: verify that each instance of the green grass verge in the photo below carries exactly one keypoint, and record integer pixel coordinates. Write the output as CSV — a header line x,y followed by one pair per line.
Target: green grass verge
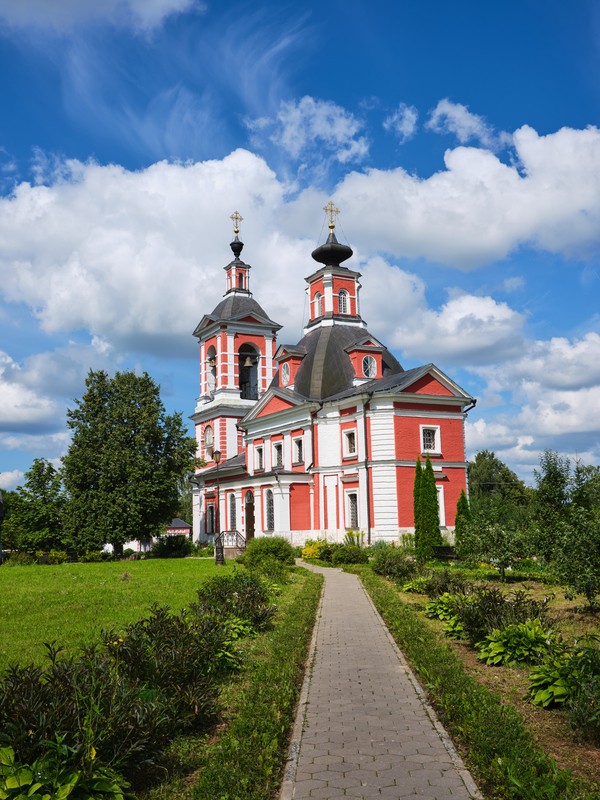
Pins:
x,y
500,751
245,763
69,603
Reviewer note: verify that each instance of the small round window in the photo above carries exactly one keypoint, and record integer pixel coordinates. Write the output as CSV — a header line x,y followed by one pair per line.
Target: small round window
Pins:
x,y
369,366
285,374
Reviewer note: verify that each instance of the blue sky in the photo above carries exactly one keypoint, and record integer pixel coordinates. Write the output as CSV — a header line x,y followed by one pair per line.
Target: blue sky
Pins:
x,y
460,140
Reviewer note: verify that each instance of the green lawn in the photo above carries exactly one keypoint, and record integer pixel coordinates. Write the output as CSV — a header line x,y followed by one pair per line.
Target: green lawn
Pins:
x,y
70,603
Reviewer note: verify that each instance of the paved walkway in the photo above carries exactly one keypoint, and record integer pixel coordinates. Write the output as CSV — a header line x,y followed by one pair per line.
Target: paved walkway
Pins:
x,y
364,728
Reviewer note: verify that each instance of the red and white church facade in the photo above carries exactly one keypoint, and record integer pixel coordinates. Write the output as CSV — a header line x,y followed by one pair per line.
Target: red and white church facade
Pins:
x,y
319,437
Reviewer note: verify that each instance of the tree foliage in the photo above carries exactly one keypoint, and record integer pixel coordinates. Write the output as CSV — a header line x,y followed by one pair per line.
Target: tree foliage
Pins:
x,y
491,478
34,519
428,515
578,553
124,467
463,515
417,502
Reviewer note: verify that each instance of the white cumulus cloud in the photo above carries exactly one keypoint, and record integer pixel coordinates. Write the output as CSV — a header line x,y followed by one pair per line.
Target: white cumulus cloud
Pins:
x,y
449,117
403,122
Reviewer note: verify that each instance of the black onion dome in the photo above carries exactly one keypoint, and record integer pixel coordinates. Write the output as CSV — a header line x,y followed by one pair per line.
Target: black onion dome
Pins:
x,y
332,253
327,369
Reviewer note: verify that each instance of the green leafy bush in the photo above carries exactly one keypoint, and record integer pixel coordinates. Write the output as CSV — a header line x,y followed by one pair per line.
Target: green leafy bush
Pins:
x,y
394,563
417,585
20,560
172,547
51,778
269,547
583,709
552,683
442,581
95,556
444,607
490,609
523,643
52,557
270,568
349,554
238,594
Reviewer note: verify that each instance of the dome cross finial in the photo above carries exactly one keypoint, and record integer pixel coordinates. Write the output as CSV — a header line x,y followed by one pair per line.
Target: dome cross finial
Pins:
x,y
332,211
236,217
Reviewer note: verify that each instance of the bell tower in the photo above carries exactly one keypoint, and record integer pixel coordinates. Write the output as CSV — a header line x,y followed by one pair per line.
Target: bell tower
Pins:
x,y
237,344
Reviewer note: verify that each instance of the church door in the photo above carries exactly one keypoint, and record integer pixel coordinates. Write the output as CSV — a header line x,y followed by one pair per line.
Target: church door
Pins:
x,y
249,508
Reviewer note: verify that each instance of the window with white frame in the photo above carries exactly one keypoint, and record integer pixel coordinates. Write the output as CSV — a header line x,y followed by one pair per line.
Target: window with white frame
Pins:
x,y
259,459
318,304
343,302
232,513
441,505
352,510
430,439
298,445
349,440
210,519
208,441
278,455
269,511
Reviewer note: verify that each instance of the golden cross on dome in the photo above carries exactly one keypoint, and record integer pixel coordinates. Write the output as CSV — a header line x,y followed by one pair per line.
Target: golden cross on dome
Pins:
x,y
237,218
333,211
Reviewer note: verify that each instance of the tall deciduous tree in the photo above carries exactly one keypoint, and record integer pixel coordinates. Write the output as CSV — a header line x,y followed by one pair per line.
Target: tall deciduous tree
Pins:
x,y
36,519
553,496
125,463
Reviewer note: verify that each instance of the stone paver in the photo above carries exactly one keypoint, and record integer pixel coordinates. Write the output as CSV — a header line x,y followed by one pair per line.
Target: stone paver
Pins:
x,y
364,728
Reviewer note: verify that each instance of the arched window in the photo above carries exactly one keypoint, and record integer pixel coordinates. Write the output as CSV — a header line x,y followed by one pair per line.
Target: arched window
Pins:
x,y
248,369
269,511
318,304
240,278
232,513
209,441
343,302
211,369
210,519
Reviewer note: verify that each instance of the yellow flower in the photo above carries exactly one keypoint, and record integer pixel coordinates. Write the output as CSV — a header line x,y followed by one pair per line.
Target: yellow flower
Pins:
x,y
93,753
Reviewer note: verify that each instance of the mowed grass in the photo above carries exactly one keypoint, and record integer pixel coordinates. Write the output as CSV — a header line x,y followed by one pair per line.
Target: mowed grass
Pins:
x,y
71,603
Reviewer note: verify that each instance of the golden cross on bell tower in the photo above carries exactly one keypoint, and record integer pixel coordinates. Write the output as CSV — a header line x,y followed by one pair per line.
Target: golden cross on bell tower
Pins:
x,y
332,211
237,218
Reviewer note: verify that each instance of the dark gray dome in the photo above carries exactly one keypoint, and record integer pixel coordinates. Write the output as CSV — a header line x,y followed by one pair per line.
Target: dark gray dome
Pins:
x,y
327,369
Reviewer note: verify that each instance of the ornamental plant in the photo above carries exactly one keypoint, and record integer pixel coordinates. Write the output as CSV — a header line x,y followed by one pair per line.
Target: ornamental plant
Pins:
x,y
526,642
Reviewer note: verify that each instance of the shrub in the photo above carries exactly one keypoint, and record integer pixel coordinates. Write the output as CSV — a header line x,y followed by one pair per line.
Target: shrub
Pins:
x,y
444,581
269,547
50,776
172,547
393,563
238,594
20,560
417,585
349,554
523,643
271,569
444,607
95,556
489,609
311,550
52,557
583,709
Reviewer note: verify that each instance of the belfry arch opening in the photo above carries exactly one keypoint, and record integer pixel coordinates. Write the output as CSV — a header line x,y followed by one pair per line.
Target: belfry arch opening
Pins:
x,y
211,370
248,358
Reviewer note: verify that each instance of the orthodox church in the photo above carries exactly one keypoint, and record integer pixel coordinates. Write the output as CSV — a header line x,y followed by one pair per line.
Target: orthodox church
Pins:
x,y
310,440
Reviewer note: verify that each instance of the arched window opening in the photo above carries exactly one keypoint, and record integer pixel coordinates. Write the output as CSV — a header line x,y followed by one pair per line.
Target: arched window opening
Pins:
x,y
248,371
211,369
232,513
249,514
209,441
240,280
269,511
318,304
210,519
343,302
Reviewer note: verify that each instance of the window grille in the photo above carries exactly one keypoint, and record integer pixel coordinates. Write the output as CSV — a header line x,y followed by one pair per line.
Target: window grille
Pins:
x,y
232,513
270,511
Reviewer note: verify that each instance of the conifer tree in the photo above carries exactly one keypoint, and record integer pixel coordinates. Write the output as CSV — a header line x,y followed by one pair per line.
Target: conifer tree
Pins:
x,y
463,515
417,502
429,515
